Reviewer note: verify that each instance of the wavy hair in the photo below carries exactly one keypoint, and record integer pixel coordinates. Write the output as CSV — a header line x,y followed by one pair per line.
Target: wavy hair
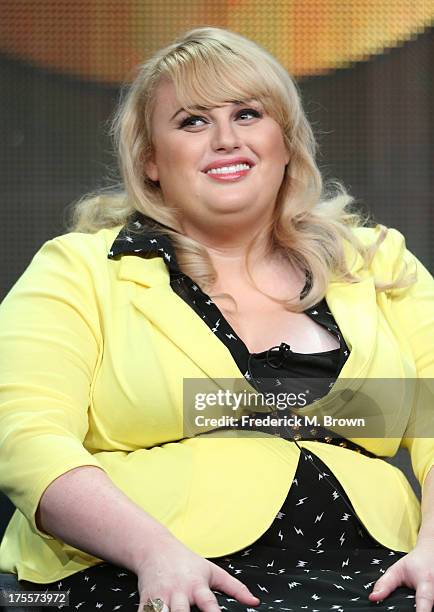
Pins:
x,y
209,66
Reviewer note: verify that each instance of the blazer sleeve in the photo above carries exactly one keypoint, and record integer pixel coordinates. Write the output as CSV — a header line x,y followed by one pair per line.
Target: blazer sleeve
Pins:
x,y
413,313
50,345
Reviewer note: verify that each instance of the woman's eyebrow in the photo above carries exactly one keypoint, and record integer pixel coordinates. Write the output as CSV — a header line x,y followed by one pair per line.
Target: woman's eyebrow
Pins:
x,y
180,110
205,108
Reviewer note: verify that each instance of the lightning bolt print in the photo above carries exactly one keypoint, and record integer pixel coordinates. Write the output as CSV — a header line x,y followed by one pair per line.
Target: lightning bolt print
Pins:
x,y
368,584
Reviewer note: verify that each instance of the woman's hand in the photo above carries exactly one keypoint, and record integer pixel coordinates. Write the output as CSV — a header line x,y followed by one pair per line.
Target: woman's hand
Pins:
x,y
415,570
181,578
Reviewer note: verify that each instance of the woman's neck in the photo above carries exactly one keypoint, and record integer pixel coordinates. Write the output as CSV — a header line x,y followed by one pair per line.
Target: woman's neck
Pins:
x,y
228,250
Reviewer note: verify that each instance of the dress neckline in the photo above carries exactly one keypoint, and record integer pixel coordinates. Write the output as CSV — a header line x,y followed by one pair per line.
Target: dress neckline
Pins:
x,y
330,352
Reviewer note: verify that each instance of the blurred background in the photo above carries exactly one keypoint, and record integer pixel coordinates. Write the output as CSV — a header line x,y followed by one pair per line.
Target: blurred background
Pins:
x,y
364,68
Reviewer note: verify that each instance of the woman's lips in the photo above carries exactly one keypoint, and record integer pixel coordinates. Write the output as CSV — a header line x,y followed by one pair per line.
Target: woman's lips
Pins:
x,y
229,176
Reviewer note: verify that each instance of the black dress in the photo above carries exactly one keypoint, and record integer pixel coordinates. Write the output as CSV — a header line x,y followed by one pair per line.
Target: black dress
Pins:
x,y
317,554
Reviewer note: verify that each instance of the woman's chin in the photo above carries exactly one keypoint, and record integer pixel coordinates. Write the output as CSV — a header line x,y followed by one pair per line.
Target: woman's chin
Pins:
x,y
231,207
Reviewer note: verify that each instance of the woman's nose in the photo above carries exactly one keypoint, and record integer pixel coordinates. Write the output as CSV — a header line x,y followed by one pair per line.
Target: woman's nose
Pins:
x,y
225,136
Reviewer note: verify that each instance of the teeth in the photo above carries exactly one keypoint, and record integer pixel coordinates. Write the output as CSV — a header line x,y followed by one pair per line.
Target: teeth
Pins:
x,y
229,169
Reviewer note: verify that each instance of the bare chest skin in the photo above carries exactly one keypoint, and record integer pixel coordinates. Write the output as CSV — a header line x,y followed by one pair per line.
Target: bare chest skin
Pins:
x,y
261,323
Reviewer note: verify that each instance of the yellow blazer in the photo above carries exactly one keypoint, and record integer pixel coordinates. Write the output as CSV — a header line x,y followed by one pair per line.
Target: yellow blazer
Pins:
x,y
93,356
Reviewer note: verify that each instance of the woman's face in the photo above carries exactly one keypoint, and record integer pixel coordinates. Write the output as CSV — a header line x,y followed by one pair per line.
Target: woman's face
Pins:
x,y
239,138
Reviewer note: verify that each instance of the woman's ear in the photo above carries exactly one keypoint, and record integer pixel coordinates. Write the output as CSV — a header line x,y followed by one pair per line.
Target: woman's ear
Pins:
x,y
151,169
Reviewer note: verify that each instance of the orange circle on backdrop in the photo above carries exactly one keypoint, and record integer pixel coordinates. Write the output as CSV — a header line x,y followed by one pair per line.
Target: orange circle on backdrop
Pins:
x,y
103,40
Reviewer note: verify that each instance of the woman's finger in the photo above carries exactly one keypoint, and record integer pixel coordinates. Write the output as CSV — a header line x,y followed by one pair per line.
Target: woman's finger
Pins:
x,y
205,599
388,582
179,602
425,595
223,581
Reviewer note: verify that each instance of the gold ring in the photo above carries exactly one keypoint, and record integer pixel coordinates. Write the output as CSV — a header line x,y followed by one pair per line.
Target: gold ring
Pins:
x,y
154,605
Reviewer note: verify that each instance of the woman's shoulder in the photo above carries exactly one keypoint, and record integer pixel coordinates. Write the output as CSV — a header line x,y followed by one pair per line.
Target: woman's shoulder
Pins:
x,y
77,250
387,236
98,242
92,258
378,250
69,258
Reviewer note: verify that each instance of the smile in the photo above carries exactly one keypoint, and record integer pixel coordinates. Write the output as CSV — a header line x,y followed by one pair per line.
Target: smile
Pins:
x,y
227,173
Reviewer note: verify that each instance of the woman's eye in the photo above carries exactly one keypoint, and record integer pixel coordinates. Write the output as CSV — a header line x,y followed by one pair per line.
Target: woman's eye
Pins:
x,y
188,121
249,111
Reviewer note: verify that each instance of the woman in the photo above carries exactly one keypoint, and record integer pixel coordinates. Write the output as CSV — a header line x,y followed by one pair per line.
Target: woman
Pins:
x,y
222,261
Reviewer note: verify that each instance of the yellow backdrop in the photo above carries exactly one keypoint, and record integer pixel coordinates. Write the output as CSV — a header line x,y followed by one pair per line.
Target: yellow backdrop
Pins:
x,y
103,40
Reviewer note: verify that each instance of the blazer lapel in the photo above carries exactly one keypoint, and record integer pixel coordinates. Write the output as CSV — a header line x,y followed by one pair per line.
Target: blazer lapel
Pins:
x,y
354,308
172,316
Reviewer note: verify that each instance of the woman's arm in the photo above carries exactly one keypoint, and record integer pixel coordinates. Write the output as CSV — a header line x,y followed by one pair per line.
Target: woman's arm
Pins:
x,y
50,338
86,510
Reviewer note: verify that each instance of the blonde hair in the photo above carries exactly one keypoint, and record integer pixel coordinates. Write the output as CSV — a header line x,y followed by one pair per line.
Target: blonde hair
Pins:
x,y
209,66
